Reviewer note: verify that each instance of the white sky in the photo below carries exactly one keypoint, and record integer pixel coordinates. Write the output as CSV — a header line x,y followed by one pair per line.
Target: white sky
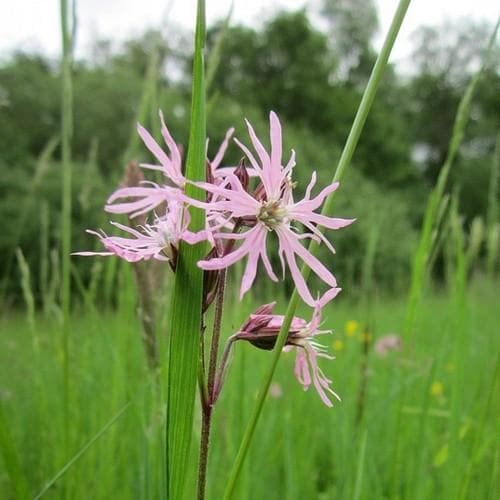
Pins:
x,y
34,24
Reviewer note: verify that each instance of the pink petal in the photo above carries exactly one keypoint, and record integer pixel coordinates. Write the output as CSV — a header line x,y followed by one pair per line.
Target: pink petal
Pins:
x,y
251,267
222,150
328,296
329,222
300,283
152,145
236,255
316,202
276,149
310,186
261,151
172,146
295,246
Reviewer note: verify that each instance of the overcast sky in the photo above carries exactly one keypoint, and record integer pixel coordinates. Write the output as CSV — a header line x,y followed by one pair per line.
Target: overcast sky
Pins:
x,y
34,24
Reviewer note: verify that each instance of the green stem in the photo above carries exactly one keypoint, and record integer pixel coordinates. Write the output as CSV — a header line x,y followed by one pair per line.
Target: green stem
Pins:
x,y
347,153
212,370
67,132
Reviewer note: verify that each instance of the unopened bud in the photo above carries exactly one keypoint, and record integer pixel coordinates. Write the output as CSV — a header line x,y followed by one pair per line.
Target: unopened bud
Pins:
x,y
262,328
242,174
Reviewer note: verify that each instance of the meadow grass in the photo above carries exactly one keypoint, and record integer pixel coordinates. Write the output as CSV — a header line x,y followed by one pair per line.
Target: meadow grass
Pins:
x,y
300,450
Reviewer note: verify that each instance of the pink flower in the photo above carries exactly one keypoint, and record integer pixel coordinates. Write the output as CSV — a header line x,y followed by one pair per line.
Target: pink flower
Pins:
x,y
262,329
158,241
150,195
271,209
387,343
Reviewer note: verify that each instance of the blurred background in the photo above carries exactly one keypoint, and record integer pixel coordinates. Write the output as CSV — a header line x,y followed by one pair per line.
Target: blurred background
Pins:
x,y
308,62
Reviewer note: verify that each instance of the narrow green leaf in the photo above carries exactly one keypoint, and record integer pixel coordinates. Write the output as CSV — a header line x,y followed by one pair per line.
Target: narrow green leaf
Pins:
x,y
360,467
185,318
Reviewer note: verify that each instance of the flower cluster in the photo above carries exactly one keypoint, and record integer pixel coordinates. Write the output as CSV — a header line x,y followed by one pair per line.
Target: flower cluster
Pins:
x,y
244,206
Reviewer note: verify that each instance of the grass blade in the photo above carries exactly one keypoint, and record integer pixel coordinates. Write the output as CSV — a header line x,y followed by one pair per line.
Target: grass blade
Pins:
x,y
360,468
67,13
185,319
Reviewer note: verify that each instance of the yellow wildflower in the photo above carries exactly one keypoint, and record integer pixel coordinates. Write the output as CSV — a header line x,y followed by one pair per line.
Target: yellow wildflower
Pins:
x,y
337,345
437,389
351,327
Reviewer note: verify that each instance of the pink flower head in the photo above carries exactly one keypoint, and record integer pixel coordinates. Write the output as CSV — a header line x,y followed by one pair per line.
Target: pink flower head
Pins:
x,y
262,329
387,343
159,240
272,209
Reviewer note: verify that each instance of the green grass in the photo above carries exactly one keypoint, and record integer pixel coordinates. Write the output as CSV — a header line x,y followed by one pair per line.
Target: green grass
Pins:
x,y
301,449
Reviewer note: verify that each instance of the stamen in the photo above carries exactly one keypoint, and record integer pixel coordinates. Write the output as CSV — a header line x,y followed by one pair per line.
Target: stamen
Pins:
x,y
272,214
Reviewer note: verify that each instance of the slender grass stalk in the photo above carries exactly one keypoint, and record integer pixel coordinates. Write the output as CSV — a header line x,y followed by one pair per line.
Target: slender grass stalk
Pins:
x,y
29,299
66,137
418,482
460,313
185,313
492,215
345,159
43,282
494,186
361,467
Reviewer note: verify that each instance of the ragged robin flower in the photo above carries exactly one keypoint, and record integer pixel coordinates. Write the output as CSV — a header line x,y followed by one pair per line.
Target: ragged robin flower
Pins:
x,y
159,240
262,329
271,209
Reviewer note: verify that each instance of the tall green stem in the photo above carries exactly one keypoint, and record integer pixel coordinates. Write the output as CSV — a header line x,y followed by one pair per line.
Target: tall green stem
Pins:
x,y
212,370
347,153
66,136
